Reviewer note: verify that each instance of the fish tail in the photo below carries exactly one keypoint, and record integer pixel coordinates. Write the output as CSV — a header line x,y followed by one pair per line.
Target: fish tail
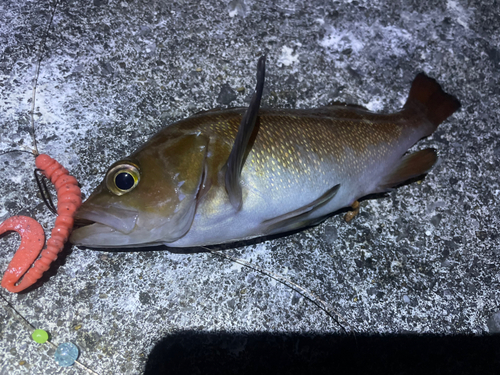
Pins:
x,y
427,95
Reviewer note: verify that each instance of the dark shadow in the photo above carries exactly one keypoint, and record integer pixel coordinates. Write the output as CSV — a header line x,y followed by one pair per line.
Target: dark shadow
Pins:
x,y
192,352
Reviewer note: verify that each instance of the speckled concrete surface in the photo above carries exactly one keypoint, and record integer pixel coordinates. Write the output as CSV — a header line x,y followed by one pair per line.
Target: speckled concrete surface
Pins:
x,y
424,259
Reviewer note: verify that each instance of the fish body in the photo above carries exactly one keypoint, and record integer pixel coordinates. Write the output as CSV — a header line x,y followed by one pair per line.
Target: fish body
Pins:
x,y
291,169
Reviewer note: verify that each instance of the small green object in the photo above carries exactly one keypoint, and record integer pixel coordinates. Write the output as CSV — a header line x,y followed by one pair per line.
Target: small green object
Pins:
x,y
40,336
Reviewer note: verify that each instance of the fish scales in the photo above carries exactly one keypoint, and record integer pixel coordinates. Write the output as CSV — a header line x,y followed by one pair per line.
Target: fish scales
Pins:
x,y
222,176
291,147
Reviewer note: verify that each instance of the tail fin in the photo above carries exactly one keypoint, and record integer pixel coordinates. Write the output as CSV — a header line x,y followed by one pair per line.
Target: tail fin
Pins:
x,y
428,95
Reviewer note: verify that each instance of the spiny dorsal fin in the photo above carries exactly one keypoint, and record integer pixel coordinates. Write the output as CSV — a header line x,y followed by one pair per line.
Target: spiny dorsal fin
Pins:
x,y
410,166
236,159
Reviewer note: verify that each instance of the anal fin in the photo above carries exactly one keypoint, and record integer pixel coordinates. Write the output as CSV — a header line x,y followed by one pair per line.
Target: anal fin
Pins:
x,y
410,166
298,218
236,158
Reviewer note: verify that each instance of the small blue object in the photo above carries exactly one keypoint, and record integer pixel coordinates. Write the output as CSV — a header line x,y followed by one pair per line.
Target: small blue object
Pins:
x,y
66,354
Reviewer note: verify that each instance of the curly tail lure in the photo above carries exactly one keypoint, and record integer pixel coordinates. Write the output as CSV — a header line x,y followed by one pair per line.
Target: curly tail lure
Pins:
x,y
32,234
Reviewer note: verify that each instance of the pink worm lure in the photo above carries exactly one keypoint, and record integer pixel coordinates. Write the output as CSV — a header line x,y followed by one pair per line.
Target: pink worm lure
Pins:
x,y
32,235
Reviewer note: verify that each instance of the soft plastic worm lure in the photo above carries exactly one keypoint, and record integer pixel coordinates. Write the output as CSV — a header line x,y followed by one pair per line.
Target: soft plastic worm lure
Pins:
x,y
32,235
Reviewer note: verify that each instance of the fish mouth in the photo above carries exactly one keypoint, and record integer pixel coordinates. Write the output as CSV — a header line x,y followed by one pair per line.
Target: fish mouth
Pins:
x,y
97,226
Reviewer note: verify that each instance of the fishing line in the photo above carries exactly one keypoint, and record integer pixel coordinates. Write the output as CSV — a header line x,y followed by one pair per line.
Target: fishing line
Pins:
x,y
329,310
13,150
42,186
44,191
16,315
37,73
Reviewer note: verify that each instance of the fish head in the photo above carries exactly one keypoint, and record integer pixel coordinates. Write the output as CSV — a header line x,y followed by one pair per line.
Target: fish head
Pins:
x,y
148,198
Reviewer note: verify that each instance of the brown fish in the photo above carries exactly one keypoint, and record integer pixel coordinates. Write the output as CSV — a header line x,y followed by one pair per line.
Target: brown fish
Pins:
x,y
227,175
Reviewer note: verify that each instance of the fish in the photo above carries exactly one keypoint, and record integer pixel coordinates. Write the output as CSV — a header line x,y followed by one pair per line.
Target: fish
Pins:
x,y
229,175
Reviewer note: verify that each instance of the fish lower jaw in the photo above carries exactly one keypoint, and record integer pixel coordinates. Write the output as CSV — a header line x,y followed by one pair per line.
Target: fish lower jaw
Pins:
x,y
102,236
92,235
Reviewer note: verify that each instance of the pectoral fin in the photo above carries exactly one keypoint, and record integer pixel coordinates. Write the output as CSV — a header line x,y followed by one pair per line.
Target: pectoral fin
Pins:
x,y
298,218
239,151
410,166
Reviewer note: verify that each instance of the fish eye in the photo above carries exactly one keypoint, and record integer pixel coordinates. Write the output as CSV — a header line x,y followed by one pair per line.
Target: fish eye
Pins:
x,y
122,178
124,181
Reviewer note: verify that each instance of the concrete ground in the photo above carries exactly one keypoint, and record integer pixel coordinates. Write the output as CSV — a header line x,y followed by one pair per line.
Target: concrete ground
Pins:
x,y
423,259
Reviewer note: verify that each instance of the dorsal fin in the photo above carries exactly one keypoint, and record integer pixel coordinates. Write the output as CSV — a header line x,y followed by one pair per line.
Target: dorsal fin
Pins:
x,y
236,158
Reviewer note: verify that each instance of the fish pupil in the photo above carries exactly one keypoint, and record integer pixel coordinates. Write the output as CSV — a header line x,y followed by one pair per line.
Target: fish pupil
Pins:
x,y
124,181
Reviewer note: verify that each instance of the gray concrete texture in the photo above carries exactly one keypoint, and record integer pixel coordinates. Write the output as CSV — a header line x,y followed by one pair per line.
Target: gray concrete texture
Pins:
x,y
423,259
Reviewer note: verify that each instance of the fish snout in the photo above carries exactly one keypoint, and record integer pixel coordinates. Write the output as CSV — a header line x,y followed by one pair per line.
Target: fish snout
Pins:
x,y
93,221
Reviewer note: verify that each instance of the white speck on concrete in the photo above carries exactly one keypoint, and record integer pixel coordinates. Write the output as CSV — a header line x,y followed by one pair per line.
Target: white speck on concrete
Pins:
x,y
375,104
338,40
287,56
462,16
